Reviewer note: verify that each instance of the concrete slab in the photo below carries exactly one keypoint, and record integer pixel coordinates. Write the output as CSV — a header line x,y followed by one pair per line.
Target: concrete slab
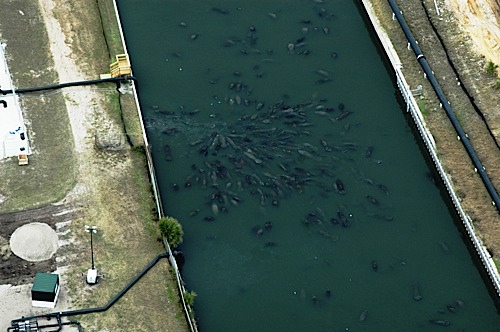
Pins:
x,y
13,135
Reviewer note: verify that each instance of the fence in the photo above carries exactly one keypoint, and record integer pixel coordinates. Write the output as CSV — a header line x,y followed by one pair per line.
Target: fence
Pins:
x,y
180,284
413,109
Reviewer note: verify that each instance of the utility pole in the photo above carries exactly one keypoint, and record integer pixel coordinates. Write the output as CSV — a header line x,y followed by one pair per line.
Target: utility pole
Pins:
x,y
91,273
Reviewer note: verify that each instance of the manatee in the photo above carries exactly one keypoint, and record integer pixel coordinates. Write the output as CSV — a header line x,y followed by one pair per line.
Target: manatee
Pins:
x,y
219,10
167,152
372,199
369,151
441,322
339,187
363,316
416,292
343,219
268,225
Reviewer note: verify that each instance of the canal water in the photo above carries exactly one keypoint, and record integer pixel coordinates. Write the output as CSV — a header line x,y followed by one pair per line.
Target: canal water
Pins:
x,y
281,145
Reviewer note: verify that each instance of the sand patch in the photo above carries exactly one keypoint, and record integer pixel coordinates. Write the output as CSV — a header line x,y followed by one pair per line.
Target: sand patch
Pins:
x,y
34,242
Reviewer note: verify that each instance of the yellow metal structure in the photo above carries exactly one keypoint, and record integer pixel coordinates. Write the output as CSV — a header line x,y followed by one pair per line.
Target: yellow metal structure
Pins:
x,y
121,67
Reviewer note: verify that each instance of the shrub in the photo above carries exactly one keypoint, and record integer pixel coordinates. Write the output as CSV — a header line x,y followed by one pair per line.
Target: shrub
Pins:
x,y
189,297
171,229
491,68
496,85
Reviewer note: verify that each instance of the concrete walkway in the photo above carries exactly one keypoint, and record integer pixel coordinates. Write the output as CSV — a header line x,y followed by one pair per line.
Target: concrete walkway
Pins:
x,y
13,136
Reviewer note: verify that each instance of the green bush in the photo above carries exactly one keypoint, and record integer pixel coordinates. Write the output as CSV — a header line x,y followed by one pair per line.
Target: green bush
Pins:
x,y
189,297
496,85
171,229
491,68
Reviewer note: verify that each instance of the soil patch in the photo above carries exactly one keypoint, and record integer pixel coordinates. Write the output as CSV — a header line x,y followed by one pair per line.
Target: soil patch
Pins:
x,y
13,269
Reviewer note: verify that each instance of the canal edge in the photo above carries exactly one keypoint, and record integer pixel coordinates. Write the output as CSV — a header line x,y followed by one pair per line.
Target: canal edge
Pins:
x,y
412,107
154,184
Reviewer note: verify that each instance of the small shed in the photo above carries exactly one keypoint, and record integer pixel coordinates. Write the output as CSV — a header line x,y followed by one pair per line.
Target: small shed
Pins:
x,y
45,290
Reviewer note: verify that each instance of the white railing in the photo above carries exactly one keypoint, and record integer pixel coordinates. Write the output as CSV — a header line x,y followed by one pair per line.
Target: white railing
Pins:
x,y
413,108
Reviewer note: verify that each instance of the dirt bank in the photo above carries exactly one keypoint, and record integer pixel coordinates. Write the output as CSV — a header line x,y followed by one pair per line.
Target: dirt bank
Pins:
x,y
464,56
480,19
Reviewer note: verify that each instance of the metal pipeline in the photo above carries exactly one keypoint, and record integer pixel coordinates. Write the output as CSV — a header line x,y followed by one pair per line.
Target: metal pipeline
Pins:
x,y
4,103
457,74
59,325
69,84
479,168
60,314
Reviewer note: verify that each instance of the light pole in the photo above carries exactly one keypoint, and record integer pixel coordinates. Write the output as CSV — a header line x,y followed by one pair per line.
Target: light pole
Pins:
x,y
91,273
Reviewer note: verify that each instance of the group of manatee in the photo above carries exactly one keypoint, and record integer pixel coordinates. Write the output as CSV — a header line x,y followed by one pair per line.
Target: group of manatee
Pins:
x,y
270,152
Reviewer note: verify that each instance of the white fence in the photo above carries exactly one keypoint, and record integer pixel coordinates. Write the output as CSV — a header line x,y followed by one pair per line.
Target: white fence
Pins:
x,y
412,107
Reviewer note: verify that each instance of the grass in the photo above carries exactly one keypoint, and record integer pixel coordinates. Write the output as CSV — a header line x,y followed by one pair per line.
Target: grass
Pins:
x,y
496,84
52,169
125,214
491,68
125,243
120,201
113,102
147,296
110,27
460,117
75,19
422,106
114,44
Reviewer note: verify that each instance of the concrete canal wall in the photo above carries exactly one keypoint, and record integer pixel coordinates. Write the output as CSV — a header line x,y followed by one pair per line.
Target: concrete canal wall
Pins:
x,y
152,175
413,109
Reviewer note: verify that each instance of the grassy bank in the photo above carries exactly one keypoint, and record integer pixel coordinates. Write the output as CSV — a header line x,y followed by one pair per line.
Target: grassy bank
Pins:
x,y
114,191
125,215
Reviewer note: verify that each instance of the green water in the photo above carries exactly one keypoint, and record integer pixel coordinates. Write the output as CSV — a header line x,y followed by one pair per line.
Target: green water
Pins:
x,y
247,129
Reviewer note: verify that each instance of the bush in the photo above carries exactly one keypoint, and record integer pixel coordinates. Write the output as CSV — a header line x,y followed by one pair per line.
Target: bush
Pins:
x,y
189,297
496,85
491,68
171,229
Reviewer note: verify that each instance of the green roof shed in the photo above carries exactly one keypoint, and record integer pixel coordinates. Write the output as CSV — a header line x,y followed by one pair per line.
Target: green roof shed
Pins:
x,y
45,288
